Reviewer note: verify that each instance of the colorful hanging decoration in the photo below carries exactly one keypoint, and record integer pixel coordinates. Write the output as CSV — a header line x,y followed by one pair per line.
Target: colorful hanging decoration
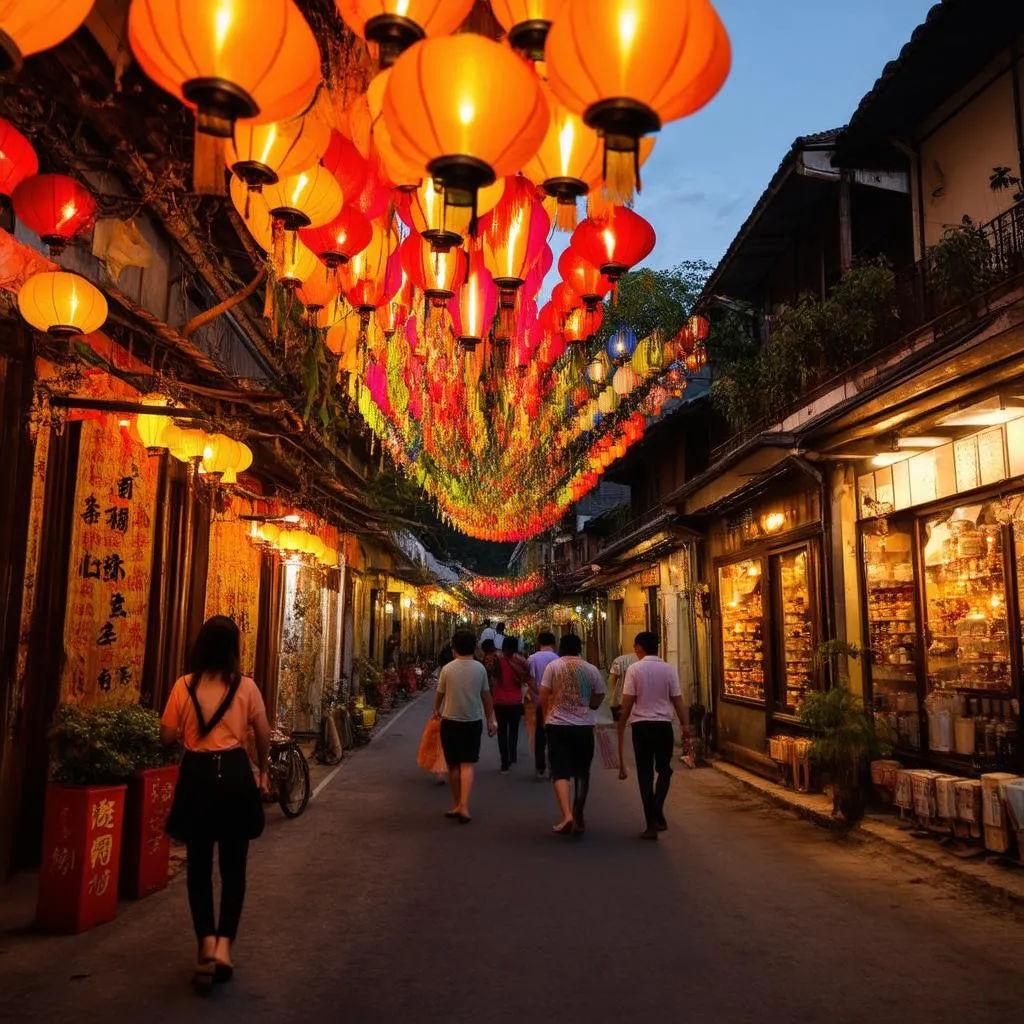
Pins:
x,y
503,588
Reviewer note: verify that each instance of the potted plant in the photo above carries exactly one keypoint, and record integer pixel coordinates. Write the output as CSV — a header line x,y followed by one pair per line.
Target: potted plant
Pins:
x,y
844,740
146,849
962,263
94,753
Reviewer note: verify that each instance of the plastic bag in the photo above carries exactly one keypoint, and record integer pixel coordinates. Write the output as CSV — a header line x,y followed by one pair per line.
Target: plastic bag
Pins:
x,y
431,755
608,745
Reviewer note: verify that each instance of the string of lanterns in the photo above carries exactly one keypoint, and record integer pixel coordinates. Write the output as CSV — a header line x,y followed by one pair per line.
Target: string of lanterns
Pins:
x,y
502,588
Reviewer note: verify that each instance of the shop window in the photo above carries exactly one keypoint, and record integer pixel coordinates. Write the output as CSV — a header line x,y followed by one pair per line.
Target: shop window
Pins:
x,y
794,609
892,630
740,589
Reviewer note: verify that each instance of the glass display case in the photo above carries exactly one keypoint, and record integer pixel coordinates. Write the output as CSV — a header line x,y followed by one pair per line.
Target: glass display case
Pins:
x,y
892,629
740,591
794,609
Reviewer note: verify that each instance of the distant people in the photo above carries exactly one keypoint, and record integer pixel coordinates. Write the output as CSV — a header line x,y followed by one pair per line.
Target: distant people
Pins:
x,y
536,663
649,693
616,674
216,800
445,655
392,649
571,690
463,702
499,636
510,674
487,633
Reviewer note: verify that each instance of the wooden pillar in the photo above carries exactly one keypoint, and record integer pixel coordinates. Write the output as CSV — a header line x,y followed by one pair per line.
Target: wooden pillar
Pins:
x,y
845,223
268,630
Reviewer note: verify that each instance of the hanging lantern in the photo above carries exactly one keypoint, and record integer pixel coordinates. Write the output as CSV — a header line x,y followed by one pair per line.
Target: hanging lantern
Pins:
x,y
31,26
228,64
513,235
62,304
582,324
348,166
625,380
568,161
57,208
614,244
318,290
654,349
583,278
396,24
151,428
466,111
220,453
474,312
598,369
252,208
336,242
243,460
697,359
343,341
563,301
263,154
297,264
527,23
622,344
425,209
18,159
439,275
394,313
607,402
368,287
310,199
629,66
188,444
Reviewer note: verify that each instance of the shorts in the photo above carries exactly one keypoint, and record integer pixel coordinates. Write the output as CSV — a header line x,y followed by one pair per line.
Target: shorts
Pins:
x,y
460,741
570,750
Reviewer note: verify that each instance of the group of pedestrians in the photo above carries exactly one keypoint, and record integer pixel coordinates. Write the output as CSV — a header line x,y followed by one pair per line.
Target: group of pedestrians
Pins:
x,y
487,689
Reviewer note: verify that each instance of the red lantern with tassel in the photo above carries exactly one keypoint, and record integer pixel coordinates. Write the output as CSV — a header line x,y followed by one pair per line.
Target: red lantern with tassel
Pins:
x,y
583,278
473,313
55,207
616,243
336,242
439,275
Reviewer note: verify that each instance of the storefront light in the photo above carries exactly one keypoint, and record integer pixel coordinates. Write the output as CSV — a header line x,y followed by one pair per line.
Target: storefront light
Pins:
x,y
773,521
389,608
889,459
923,441
983,416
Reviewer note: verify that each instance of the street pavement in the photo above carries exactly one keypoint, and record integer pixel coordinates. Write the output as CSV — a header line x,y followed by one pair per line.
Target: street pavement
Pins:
x,y
373,907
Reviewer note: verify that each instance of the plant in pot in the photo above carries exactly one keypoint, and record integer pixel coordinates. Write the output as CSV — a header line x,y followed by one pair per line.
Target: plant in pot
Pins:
x,y
962,263
844,739
93,754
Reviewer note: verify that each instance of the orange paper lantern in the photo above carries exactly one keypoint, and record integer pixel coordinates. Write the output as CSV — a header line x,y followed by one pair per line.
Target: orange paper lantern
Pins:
x,y
31,26
62,304
396,24
527,22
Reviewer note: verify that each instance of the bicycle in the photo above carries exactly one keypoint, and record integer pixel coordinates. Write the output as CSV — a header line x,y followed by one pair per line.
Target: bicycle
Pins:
x,y
289,775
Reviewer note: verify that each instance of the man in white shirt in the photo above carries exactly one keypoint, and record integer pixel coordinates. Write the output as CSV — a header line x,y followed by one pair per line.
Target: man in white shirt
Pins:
x,y
616,676
537,662
649,693
488,633
499,636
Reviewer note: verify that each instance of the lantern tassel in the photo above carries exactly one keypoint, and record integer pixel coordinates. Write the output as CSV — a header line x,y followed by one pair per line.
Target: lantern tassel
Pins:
x,y
208,164
621,175
566,217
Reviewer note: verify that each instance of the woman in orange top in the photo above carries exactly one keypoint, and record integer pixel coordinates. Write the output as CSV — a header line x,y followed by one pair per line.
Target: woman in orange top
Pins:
x,y
216,800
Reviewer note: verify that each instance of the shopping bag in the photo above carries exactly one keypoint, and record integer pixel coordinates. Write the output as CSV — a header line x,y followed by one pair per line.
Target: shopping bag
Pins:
x,y
431,755
608,745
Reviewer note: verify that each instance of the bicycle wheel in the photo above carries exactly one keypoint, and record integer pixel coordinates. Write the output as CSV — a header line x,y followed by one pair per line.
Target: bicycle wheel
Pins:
x,y
293,789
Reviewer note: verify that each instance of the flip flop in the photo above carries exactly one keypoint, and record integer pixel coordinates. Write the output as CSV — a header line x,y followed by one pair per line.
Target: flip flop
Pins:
x,y
563,830
203,976
464,819
222,972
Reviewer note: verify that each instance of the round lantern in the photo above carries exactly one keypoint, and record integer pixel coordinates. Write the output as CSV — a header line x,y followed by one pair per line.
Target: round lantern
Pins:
x,y
582,324
583,278
18,159
62,304
347,164
31,26
439,275
220,453
242,461
394,313
368,289
622,344
55,207
527,23
396,24
426,210
252,208
310,199
336,242
630,66
597,370
607,402
225,60
478,302
513,236
615,243
188,444
343,341
318,290
151,428
624,381
297,264
563,301
466,111
262,154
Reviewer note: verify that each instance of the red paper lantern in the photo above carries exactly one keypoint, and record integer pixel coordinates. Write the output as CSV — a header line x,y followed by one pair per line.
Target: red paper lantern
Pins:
x,y
563,301
615,243
18,159
347,165
55,207
439,275
368,293
338,241
473,314
583,278
582,324
513,235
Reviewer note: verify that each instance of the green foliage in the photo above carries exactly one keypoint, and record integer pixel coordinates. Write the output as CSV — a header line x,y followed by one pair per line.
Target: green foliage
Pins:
x,y
961,264
809,341
98,746
1001,179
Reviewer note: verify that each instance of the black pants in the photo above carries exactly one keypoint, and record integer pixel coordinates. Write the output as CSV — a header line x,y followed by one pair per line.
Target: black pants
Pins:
x,y
232,855
653,743
509,716
571,749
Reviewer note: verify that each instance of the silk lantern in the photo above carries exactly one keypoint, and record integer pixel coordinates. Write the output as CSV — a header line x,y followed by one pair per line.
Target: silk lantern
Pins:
x,y
263,154
513,235
150,428
318,289
616,243
425,209
478,302
396,24
18,159
31,26
337,241
622,344
583,278
62,304
437,274
527,23
54,206
311,198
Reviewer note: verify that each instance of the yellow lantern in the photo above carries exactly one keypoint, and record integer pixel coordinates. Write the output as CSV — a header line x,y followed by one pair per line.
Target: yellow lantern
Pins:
x,y
343,341
597,369
297,264
629,66
443,225
527,22
263,154
464,110
243,460
151,428
607,402
271,533
31,26
316,547
396,24
624,381
62,304
290,541
188,445
309,199
219,454
252,208
318,291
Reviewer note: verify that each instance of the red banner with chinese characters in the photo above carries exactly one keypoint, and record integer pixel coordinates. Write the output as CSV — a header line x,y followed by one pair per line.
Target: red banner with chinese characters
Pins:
x,y
109,572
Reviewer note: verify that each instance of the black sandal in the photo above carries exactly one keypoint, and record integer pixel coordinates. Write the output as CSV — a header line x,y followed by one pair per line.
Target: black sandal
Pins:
x,y
204,974
222,972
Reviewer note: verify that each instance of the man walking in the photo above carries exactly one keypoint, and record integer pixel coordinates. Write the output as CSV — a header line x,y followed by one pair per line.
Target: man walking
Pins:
x,y
571,690
649,693
616,677
463,703
537,662
487,633
499,636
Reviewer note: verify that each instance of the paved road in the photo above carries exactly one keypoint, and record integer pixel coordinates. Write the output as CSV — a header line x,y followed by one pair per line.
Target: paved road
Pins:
x,y
374,908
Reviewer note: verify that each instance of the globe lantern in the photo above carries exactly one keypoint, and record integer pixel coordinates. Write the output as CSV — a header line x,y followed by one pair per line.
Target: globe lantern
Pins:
x,y
616,243
343,341
311,198
318,290
396,24
563,301
263,154
18,159
57,208
622,345
582,324
439,275
583,278
31,26
297,264
348,166
598,369
220,453
513,235
629,66
242,461
150,428
465,110
527,23
62,304
337,241
368,290
625,380
187,444
426,210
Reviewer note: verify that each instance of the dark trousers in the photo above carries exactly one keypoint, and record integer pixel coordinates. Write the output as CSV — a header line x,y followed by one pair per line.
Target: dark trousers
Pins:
x,y
232,855
540,744
653,743
509,716
571,749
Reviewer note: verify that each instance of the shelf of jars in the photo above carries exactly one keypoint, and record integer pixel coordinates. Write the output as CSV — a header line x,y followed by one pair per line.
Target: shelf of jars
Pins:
x,y
798,628
742,631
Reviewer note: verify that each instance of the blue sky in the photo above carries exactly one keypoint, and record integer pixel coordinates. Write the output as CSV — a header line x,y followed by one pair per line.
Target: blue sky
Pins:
x,y
799,67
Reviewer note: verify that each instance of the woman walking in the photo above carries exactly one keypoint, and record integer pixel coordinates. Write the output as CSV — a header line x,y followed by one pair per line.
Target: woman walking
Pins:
x,y
216,801
510,673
